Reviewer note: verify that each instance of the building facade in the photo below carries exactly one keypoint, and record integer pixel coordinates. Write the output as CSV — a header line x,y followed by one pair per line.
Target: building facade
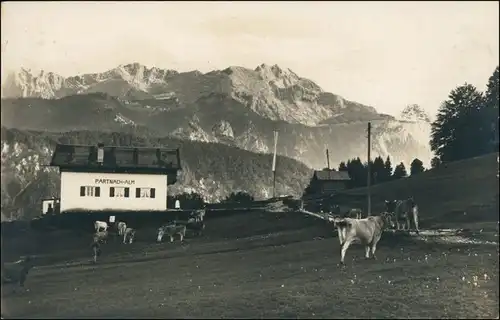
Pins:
x,y
323,187
328,182
114,179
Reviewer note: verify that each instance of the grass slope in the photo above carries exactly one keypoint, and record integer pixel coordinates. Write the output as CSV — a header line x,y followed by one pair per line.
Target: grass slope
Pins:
x,y
443,194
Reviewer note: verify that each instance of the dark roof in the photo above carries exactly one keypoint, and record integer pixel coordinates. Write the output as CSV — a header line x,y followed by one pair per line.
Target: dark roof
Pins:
x,y
329,175
131,158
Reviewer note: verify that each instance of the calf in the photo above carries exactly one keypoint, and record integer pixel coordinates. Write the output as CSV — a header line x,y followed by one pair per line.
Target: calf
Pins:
x,y
121,227
128,235
171,230
98,225
402,210
368,231
17,272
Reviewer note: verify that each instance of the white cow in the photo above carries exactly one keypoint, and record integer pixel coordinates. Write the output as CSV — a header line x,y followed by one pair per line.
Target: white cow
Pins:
x,y
128,235
121,226
368,231
98,225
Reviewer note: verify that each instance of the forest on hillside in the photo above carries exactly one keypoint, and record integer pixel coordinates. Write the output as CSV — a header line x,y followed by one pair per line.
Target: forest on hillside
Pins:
x,y
210,169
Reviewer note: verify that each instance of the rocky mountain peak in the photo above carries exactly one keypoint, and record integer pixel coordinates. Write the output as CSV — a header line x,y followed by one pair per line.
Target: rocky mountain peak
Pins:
x,y
270,91
414,113
275,72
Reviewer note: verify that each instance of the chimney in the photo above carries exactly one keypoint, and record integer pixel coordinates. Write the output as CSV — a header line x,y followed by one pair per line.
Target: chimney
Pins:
x,y
100,153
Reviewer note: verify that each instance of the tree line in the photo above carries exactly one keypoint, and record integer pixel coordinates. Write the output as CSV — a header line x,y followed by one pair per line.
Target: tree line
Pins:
x,y
380,170
466,125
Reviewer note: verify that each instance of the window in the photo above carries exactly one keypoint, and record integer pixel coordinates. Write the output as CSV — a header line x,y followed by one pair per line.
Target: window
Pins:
x,y
88,191
145,192
119,192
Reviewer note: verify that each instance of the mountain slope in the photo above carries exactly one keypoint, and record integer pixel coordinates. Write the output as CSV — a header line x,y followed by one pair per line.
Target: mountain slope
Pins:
x,y
235,106
220,118
220,171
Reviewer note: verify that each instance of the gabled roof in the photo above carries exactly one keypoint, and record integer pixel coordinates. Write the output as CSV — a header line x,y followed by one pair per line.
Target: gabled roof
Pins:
x,y
330,175
85,157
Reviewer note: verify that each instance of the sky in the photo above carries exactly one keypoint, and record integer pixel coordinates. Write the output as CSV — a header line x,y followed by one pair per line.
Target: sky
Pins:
x,y
383,54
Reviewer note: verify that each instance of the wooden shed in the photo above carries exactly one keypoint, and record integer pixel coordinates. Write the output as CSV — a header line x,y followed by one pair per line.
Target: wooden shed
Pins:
x,y
326,182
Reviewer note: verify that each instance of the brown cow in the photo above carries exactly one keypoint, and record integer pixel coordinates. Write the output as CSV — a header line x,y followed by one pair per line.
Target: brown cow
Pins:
x,y
368,231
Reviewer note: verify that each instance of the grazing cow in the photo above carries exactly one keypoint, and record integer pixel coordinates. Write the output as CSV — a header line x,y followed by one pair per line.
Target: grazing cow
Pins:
x,y
354,213
121,226
98,225
402,210
171,230
16,272
128,235
100,237
368,231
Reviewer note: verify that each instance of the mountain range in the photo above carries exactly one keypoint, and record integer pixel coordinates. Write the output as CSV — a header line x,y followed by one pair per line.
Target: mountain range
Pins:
x,y
236,106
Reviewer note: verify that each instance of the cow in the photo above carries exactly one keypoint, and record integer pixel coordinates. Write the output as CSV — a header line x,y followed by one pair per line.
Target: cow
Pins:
x,y
128,235
121,227
197,226
17,272
171,230
198,215
100,236
98,225
368,231
402,210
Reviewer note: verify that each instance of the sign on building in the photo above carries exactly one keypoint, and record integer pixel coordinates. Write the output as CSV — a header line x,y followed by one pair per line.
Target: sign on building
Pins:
x,y
112,219
177,204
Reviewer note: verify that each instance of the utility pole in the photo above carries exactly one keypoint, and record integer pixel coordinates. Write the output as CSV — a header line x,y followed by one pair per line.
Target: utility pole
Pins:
x,y
368,178
327,160
274,162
